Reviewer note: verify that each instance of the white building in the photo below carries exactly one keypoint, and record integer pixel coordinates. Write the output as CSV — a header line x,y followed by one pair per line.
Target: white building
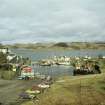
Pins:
x,y
10,57
5,50
103,57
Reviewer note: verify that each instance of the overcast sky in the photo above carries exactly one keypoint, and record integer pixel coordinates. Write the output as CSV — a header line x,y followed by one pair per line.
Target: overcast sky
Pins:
x,y
51,20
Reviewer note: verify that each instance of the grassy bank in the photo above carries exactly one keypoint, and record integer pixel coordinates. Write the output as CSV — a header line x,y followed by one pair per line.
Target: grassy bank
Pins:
x,y
80,90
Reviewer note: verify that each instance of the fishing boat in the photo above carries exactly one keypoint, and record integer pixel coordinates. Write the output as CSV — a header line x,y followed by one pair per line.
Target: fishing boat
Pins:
x,y
82,72
86,71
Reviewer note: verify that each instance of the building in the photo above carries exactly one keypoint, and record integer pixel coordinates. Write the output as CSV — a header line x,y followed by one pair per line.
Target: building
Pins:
x,y
4,50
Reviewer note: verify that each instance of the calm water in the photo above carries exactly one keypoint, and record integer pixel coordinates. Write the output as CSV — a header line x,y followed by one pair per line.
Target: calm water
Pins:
x,y
55,70
37,55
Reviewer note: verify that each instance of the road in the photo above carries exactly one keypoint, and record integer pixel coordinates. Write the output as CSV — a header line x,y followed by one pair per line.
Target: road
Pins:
x,y
10,90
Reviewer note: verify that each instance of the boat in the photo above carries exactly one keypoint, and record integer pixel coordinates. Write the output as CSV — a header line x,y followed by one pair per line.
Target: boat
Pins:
x,y
44,86
45,64
25,95
32,91
82,72
64,63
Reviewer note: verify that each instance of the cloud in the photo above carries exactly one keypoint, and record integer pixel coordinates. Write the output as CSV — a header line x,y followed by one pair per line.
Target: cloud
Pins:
x,y
51,20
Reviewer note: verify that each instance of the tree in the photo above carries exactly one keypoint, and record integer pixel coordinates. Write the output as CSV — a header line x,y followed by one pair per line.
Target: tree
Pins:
x,y
1,46
3,58
61,44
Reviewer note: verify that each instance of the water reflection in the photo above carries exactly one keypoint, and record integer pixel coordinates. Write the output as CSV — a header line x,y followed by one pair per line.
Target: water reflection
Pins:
x,y
53,71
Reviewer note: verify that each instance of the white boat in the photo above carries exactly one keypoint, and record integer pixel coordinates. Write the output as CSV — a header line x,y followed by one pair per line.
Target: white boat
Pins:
x,y
64,63
33,91
44,86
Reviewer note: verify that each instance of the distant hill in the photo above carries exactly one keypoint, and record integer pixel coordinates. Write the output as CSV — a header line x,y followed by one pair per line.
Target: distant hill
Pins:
x,y
60,45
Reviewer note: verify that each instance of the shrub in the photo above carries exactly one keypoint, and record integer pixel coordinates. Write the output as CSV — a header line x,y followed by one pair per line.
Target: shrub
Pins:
x,y
62,44
3,58
8,75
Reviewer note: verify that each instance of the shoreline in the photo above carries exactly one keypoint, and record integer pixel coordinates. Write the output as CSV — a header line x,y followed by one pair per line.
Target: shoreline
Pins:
x,y
56,49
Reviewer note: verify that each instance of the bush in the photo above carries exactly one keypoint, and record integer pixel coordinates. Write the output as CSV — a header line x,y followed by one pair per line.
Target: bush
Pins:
x,y
3,58
62,44
8,75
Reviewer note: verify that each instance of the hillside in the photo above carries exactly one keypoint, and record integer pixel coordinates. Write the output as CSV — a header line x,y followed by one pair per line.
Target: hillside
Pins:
x,y
60,45
80,90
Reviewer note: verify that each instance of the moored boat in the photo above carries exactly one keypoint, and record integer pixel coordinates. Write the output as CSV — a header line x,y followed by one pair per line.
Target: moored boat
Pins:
x,y
64,63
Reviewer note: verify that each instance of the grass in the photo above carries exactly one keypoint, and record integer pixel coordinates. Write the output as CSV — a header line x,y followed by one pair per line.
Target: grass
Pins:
x,y
80,90
7,75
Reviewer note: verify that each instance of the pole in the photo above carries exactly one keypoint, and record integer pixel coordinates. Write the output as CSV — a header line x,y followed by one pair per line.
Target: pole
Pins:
x,y
34,70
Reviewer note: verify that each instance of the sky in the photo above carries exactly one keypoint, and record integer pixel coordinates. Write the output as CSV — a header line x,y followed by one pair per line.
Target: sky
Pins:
x,y
31,21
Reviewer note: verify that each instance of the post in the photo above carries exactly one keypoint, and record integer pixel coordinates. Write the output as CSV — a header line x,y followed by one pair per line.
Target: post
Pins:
x,y
34,70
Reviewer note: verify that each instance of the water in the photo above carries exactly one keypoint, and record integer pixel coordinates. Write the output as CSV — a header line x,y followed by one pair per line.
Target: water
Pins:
x,y
43,54
55,70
